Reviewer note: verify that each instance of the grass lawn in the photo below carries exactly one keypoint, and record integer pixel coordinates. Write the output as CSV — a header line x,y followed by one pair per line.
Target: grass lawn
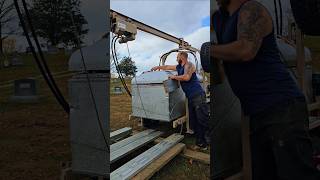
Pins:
x,y
34,138
56,62
314,44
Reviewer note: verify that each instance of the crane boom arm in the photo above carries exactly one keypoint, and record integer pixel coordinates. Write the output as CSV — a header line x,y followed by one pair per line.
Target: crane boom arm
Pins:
x,y
126,26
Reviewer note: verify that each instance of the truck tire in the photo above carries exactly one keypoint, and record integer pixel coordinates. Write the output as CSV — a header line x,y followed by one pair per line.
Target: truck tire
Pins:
x,y
307,15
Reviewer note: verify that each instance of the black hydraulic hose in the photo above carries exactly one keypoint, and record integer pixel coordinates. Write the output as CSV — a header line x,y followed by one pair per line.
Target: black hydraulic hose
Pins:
x,y
66,108
281,17
45,65
115,58
276,13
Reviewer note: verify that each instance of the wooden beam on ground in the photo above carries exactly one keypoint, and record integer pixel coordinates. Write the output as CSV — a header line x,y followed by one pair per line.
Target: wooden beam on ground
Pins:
x,y
122,148
120,134
196,156
136,165
314,106
179,121
238,176
155,166
126,141
314,122
158,140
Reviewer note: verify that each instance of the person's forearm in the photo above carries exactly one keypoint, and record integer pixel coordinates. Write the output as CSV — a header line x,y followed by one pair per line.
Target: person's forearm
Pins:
x,y
164,67
182,78
232,52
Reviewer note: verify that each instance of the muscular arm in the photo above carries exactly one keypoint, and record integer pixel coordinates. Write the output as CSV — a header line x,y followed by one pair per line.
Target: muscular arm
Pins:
x,y
189,68
165,67
254,23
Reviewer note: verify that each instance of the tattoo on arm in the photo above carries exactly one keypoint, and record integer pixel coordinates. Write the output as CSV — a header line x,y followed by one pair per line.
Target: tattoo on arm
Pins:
x,y
253,25
188,70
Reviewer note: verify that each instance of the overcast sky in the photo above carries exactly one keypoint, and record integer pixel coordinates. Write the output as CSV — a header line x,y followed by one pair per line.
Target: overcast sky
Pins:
x,y
188,19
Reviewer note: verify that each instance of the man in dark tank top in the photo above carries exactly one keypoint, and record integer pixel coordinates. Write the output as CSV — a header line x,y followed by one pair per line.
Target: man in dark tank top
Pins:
x,y
280,145
198,109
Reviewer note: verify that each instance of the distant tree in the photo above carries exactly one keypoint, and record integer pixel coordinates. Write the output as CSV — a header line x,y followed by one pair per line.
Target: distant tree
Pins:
x,y
52,21
128,67
6,18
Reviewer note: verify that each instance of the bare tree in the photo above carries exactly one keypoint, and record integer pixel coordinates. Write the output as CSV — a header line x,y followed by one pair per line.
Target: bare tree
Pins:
x,y
6,19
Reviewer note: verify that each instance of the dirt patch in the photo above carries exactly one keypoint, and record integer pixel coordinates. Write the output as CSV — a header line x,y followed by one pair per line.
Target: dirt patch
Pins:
x,y
34,138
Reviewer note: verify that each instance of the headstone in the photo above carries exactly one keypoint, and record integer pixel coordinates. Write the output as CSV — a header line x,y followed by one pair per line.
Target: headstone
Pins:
x,y
114,79
118,90
25,91
16,61
6,63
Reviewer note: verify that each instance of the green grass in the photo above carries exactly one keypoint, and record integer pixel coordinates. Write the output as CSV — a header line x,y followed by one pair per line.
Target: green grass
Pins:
x,y
181,168
313,43
56,62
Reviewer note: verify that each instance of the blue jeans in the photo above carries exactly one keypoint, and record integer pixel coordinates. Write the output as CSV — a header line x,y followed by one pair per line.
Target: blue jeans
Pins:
x,y
199,117
280,144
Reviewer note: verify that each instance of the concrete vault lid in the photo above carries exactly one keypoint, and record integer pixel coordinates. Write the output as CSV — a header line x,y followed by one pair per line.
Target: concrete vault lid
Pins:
x,y
154,77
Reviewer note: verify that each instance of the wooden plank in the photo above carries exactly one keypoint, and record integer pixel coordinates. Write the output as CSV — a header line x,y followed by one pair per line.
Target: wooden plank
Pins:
x,y
120,133
117,154
179,121
238,176
131,168
126,141
158,140
155,166
314,106
197,156
314,122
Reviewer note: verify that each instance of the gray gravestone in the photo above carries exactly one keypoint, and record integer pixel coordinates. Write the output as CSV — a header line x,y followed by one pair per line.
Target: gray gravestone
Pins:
x,y
6,63
25,91
16,61
118,90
